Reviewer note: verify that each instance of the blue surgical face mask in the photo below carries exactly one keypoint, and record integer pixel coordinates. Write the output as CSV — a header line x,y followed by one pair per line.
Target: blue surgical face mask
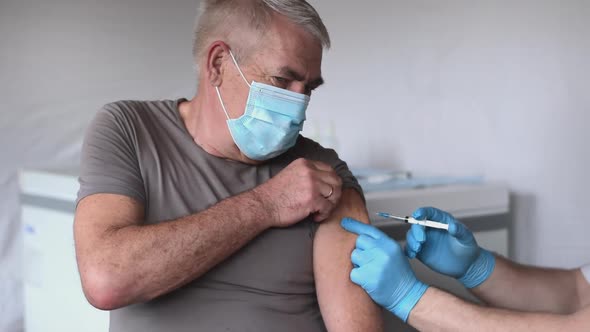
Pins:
x,y
271,122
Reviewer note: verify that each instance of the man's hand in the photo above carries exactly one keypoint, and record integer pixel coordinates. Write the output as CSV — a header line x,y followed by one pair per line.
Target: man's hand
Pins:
x,y
304,187
454,253
382,270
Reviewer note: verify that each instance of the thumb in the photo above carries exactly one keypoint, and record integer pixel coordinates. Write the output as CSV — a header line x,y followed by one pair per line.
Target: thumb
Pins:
x,y
357,277
460,231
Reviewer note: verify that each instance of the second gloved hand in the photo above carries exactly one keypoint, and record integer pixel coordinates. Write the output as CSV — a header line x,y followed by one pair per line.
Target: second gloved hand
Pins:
x,y
454,252
382,270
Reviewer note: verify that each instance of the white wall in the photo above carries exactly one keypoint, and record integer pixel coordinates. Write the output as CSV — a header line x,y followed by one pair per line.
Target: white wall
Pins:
x,y
498,88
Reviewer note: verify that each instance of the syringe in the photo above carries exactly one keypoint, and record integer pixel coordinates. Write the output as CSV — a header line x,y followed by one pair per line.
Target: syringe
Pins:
x,y
410,220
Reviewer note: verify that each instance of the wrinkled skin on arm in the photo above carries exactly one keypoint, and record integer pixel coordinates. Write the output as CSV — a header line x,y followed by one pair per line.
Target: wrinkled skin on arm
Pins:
x,y
344,305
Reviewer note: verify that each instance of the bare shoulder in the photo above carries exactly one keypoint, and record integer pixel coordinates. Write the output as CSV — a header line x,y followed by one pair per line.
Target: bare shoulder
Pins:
x,y
351,205
333,244
344,305
330,235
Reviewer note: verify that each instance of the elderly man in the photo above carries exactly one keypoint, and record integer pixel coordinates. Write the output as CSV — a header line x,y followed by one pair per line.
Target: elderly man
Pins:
x,y
214,214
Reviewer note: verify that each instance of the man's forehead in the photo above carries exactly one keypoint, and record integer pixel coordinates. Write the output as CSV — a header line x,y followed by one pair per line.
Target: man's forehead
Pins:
x,y
299,64
289,47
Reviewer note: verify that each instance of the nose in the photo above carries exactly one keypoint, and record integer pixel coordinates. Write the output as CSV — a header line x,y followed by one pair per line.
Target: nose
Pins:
x,y
299,87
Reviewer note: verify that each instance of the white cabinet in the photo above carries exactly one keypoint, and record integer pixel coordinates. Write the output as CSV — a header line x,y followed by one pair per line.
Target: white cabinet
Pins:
x,y
54,300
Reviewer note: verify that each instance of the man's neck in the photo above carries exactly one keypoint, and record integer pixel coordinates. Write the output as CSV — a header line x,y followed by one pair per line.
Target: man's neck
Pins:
x,y
201,125
194,116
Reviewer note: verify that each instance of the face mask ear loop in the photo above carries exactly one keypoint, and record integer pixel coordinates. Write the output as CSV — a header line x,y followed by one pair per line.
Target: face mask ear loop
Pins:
x,y
221,101
236,63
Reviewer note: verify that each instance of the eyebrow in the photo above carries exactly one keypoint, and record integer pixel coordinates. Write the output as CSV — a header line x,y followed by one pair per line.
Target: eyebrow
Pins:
x,y
292,74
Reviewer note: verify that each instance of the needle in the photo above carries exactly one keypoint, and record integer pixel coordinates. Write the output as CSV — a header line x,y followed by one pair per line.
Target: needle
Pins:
x,y
410,220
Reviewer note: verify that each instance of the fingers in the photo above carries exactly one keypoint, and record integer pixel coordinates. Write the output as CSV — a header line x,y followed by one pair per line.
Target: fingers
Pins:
x,y
330,185
327,182
321,165
460,232
327,175
356,276
456,229
322,209
415,238
360,257
365,242
326,172
359,228
316,186
330,192
433,214
418,233
326,189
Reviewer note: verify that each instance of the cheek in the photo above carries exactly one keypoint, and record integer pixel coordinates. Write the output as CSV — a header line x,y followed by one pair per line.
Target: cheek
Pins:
x,y
235,101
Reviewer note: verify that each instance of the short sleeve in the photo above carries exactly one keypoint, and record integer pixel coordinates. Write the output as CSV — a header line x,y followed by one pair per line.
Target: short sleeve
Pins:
x,y
109,162
310,149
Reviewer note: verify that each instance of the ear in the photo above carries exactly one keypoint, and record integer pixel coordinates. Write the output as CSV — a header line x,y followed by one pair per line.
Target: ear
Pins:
x,y
217,52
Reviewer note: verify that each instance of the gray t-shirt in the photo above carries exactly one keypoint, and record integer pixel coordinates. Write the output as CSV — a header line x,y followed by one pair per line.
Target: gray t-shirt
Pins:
x,y
143,150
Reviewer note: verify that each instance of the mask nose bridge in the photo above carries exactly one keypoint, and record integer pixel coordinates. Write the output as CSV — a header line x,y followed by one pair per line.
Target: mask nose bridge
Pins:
x,y
238,67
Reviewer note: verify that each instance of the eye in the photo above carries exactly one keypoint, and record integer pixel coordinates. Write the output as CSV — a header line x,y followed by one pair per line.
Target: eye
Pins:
x,y
280,80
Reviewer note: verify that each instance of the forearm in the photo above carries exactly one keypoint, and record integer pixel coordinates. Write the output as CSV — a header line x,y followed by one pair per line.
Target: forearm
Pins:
x,y
440,311
140,262
519,287
344,305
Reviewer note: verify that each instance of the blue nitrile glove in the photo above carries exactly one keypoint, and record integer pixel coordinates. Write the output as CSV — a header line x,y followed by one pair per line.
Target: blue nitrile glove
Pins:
x,y
382,270
454,253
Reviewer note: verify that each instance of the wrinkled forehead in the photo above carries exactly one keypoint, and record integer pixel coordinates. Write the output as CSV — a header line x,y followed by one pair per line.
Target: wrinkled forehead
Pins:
x,y
286,44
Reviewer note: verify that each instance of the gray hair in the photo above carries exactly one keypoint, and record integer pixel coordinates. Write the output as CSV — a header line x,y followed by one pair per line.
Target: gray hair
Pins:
x,y
217,19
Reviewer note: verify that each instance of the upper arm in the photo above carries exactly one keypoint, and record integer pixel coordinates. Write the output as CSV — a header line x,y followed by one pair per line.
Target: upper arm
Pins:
x,y
344,305
111,193
97,217
98,214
